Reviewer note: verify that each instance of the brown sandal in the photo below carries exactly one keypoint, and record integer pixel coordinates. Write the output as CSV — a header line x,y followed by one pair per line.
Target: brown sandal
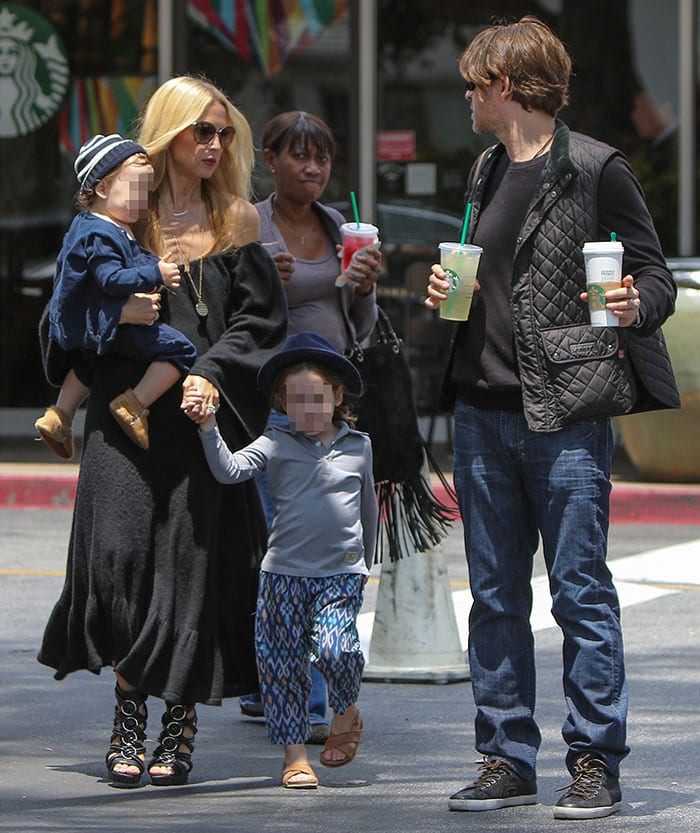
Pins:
x,y
342,742
310,782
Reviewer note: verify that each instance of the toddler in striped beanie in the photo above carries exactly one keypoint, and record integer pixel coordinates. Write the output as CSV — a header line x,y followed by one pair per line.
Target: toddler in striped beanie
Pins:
x,y
99,267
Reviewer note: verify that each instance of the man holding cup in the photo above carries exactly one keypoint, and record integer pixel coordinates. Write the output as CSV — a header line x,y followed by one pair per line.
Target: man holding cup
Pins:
x,y
533,386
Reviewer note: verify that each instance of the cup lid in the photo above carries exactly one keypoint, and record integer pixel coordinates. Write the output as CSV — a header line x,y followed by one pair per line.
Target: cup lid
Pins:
x,y
362,229
600,247
466,248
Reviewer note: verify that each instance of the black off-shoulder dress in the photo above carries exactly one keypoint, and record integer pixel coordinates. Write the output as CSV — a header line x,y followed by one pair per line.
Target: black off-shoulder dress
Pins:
x,y
163,561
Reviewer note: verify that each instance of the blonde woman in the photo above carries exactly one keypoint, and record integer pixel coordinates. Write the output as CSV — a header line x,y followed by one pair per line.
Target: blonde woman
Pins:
x,y
162,572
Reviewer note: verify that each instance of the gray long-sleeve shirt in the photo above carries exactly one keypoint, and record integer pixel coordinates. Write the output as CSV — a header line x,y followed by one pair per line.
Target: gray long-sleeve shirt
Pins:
x,y
325,505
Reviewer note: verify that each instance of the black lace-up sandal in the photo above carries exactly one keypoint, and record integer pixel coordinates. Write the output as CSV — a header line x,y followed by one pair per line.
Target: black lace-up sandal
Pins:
x,y
129,732
175,747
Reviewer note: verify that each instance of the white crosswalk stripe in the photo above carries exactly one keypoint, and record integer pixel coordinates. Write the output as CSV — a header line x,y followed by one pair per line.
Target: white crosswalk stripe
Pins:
x,y
638,578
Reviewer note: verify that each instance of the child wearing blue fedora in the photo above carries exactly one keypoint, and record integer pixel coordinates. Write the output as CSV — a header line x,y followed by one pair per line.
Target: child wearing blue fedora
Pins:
x,y
320,549
99,266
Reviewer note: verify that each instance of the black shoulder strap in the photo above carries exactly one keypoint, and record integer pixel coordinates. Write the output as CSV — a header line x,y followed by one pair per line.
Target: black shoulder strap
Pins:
x,y
476,170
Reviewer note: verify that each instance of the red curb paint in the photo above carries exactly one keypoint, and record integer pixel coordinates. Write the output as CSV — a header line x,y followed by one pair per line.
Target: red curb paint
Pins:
x,y
637,505
37,492
629,503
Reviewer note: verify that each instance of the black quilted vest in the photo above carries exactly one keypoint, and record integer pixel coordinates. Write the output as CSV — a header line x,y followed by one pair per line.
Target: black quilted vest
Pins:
x,y
569,370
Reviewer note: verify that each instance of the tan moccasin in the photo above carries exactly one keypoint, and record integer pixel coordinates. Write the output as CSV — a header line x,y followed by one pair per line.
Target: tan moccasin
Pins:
x,y
55,430
131,416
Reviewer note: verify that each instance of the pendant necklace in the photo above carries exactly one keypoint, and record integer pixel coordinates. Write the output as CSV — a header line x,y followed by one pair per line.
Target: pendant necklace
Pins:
x,y
200,306
302,237
544,146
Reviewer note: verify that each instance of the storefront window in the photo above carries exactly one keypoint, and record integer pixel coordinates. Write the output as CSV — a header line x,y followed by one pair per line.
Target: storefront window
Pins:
x,y
72,68
624,91
62,79
282,60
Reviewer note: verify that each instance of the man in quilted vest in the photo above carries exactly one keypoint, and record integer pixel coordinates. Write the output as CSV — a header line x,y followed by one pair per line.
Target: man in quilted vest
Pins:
x,y
533,387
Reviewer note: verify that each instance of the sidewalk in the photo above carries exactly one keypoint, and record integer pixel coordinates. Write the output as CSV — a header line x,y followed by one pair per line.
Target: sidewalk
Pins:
x,y
32,477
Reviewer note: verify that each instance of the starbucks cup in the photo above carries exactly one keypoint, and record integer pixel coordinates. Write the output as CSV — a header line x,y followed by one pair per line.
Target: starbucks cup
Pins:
x,y
460,262
356,238
603,272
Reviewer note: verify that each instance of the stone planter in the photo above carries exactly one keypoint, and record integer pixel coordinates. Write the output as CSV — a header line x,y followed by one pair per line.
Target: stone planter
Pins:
x,y
665,445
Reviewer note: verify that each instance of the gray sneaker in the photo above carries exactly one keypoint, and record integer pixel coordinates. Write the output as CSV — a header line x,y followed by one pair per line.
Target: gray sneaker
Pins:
x,y
497,786
593,794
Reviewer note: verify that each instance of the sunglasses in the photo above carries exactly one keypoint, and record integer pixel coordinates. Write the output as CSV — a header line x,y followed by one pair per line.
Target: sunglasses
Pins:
x,y
204,133
471,86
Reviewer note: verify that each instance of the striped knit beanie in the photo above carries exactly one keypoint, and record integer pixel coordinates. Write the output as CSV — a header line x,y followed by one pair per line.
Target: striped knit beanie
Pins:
x,y
101,155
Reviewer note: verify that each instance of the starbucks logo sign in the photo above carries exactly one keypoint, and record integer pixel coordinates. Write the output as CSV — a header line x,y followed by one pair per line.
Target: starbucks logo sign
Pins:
x,y
33,71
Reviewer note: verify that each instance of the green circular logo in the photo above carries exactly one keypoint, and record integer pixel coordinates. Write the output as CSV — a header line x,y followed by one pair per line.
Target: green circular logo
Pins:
x,y
596,296
34,71
453,278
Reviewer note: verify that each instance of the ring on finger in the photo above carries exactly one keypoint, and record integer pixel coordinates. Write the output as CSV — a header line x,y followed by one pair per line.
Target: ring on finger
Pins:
x,y
212,409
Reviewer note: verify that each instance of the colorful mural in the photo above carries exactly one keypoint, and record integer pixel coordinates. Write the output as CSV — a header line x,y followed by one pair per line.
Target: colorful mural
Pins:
x,y
101,105
267,32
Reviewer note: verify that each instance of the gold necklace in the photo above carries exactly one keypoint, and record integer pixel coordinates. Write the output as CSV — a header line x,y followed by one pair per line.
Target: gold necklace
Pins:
x,y
302,237
542,149
200,306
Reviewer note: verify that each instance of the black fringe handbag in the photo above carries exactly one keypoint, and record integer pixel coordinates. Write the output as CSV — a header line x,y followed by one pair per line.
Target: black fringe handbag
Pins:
x,y
411,517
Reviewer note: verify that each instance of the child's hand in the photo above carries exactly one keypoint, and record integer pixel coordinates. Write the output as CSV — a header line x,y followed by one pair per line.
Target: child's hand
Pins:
x,y
207,423
191,398
169,272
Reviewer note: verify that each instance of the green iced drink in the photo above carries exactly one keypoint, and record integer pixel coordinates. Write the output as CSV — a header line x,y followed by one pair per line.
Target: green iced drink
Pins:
x,y
460,262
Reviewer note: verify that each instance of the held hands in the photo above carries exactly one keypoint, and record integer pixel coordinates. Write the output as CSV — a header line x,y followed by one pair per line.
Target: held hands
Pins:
x,y
200,401
169,272
208,423
623,302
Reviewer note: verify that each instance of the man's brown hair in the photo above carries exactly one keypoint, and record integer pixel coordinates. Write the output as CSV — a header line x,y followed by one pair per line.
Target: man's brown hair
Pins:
x,y
530,55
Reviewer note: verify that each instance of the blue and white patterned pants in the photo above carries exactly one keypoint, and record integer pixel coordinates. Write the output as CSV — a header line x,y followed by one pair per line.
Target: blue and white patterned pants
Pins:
x,y
299,617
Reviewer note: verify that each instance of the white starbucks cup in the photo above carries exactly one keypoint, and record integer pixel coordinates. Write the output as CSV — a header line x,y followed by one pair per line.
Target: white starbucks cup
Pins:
x,y
603,260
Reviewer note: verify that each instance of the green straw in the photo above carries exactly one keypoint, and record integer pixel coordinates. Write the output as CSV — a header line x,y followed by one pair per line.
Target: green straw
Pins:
x,y
613,237
353,199
465,226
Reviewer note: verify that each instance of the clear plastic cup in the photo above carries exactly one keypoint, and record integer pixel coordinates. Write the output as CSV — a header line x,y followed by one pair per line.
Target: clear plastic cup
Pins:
x,y
356,238
460,262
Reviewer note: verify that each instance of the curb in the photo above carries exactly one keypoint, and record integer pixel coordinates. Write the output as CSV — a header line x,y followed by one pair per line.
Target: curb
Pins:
x,y
657,503
37,492
639,503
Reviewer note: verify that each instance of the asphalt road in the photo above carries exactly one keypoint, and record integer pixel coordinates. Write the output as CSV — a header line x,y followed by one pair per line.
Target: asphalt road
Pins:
x,y
417,745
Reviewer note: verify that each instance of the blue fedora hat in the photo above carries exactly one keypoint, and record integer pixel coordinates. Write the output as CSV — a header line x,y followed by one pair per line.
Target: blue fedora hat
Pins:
x,y
310,347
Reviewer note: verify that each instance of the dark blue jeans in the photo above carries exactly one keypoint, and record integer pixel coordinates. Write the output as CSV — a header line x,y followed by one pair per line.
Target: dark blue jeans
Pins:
x,y
515,485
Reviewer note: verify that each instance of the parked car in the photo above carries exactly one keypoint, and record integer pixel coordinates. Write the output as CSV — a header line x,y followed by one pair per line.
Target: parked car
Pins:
x,y
410,235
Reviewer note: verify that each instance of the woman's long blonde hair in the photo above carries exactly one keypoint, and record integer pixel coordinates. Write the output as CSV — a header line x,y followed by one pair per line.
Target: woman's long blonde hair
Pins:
x,y
172,108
